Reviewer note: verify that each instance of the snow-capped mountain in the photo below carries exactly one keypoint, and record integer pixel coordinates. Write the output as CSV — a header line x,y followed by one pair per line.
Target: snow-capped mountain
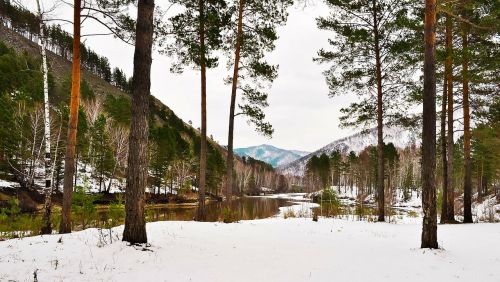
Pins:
x,y
270,154
400,137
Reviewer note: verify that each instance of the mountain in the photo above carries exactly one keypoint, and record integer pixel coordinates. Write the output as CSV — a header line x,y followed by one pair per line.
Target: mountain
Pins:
x,y
270,154
400,137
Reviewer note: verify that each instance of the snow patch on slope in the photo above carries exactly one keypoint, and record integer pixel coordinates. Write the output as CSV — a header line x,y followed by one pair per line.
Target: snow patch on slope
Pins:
x,y
400,137
270,154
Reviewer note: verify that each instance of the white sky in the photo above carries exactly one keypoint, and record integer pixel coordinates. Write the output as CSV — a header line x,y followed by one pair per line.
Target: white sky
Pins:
x,y
302,114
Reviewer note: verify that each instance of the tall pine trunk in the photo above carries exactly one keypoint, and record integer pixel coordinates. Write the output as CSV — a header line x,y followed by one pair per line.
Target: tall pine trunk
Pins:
x,y
429,226
467,145
450,196
444,204
230,136
137,166
380,122
203,140
47,226
69,163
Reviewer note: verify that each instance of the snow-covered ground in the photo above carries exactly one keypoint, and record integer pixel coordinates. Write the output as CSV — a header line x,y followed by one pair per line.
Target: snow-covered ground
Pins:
x,y
487,210
288,196
276,249
8,184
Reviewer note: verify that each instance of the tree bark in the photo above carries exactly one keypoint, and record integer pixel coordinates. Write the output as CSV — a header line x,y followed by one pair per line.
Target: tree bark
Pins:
x,y
444,202
69,163
450,196
200,215
429,226
137,167
230,137
380,123
47,226
467,144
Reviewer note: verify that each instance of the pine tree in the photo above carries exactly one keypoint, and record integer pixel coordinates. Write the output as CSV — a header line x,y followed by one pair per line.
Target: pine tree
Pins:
x,y
137,169
429,226
449,194
197,33
252,38
69,163
366,60
104,160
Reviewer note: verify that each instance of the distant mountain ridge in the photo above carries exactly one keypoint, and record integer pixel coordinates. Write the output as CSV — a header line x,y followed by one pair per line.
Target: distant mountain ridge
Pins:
x,y
270,154
400,137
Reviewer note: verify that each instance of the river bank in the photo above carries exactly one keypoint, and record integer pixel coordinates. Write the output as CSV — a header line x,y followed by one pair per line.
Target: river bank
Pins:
x,y
274,249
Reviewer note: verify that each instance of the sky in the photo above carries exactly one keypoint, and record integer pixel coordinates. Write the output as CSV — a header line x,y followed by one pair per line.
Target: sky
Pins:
x,y
302,114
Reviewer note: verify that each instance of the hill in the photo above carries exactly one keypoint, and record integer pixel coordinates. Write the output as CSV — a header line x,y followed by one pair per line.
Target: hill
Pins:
x,y
400,137
174,144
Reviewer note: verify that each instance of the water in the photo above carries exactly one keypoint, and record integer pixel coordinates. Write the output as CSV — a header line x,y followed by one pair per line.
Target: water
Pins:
x,y
247,208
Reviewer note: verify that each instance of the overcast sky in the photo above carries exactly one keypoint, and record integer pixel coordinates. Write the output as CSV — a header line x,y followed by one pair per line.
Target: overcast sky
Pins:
x,y
302,114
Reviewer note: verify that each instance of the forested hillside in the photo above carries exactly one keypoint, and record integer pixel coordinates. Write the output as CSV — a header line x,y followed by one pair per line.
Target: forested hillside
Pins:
x,y
103,126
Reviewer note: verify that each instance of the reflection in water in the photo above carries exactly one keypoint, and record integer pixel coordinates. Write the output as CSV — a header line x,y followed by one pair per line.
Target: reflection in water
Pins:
x,y
107,217
357,212
247,208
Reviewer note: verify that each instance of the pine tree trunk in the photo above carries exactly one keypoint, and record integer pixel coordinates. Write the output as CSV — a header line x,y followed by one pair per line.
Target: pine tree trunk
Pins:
x,y
467,145
450,196
429,226
203,146
46,227
380,123
69,163
137,166
230,138
444,204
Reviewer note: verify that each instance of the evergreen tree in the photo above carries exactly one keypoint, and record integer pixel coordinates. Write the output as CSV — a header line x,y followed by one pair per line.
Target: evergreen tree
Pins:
x,y
251,37
429,226
104,160
69,163
137,168
197,32
365,59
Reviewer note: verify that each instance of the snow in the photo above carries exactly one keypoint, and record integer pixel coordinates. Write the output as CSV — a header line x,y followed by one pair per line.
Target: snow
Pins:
x,y
270,154
399,136
85,179
277,249
487,210
288,196
348,195
8,184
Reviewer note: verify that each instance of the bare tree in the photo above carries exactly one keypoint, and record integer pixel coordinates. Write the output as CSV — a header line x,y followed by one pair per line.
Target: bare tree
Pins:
x,y
119,140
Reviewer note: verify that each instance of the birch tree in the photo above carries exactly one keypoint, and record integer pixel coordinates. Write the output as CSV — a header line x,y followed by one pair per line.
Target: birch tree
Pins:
x,y
46,228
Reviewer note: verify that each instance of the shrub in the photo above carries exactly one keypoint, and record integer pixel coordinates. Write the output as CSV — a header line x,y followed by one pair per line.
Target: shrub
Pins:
x,y
289,213
412,213
229,216
329,202
329,196
14,224
83,205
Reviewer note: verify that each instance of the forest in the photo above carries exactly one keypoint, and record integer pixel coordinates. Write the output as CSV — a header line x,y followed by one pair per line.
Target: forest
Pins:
x,y
88,148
